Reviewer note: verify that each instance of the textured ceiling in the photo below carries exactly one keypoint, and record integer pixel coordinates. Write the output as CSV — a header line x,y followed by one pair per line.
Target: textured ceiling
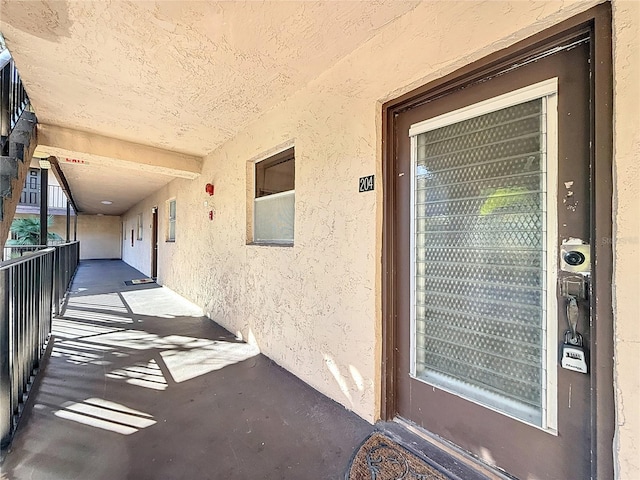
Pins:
x,y
91,184
185,75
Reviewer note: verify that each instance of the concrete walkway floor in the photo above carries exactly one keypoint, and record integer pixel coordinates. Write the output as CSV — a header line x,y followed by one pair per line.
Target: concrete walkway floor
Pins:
x,y
140,385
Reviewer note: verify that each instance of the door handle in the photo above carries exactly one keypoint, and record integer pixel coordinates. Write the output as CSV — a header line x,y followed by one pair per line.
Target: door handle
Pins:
x,y
573,288
576,286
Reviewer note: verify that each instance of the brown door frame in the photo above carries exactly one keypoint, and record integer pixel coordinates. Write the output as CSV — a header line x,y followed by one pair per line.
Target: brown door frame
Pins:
x,y
597,22
154,242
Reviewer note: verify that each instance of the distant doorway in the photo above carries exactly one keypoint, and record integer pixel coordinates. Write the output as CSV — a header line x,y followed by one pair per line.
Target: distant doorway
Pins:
x,y
154,242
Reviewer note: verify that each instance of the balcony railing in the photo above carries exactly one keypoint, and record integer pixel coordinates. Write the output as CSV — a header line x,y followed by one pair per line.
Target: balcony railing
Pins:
x,y
12,252
13,97
66,263
31,287
56,197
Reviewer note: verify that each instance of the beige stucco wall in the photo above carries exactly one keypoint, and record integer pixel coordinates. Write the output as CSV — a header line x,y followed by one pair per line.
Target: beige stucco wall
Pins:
x,y
58,225
99,236
315,308
626,33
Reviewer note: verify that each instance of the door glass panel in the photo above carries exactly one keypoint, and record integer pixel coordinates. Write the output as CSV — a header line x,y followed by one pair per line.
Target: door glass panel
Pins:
x,y
480,250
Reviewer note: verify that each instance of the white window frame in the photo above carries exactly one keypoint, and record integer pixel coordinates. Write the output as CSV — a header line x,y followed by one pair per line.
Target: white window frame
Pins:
x,y
171,220
139,227
547,91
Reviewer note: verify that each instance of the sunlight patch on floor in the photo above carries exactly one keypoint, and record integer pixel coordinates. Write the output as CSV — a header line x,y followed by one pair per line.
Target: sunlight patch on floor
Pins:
x,y
142,374
80,353
64,328
106,415
73,314
77,357
105,301
205,356
160,302
134,339
86,346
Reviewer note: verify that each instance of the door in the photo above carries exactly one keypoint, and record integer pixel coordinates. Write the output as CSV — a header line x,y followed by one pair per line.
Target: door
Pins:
x,y
490,180
31,192
154,242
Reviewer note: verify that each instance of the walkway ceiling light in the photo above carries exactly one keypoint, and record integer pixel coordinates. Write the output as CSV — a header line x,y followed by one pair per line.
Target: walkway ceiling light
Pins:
x,y
44,163
106,202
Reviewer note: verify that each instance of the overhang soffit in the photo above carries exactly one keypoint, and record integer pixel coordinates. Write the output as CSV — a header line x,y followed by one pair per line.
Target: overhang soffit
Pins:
x,y
88,148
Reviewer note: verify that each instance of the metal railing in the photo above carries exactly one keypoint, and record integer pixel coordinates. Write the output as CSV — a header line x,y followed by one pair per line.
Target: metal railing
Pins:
x,y
13,96
30,289
66,263
26,288
11,252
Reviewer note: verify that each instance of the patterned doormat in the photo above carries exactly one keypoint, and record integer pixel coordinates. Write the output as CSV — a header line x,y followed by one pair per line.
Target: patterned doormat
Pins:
x,y
380,458
140,281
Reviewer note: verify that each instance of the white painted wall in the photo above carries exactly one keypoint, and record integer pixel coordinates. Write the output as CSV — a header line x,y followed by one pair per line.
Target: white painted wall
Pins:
x,y
137,253
315,308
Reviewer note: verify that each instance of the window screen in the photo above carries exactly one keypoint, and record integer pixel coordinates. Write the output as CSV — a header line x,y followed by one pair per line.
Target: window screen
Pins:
x,y
274,203
479,267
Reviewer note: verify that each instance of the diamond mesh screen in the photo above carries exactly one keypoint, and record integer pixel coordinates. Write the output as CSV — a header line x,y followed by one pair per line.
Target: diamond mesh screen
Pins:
x,y
479,258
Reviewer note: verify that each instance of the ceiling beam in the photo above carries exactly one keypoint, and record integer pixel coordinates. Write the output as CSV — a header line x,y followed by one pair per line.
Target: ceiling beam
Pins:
x,y
100,150
62,180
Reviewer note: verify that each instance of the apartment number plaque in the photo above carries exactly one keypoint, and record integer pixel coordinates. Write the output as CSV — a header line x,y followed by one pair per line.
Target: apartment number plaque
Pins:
x,y
366,183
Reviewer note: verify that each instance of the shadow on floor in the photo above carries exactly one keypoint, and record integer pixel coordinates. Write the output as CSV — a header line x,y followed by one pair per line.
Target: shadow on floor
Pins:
x,y
141,386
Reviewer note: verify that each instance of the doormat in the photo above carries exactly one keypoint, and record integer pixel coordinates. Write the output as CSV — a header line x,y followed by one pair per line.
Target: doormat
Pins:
x,y
381,458
140,281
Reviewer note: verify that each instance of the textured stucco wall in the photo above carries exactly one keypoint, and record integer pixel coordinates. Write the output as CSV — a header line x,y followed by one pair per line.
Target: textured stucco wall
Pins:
x,y
315,307
99,236
626,225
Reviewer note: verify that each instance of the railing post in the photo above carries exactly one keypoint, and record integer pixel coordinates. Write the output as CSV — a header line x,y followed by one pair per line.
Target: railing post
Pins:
x,y
35,289
5,115
56,281
44,205
68,222
5,365
48,304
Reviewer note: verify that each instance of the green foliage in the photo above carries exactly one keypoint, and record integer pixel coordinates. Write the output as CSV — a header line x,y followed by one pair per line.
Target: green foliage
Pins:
x,y
27,231
501,198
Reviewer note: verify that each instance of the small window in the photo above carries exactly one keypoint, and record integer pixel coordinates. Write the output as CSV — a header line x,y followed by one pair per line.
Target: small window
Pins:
x,y
274,199
139,226
171,234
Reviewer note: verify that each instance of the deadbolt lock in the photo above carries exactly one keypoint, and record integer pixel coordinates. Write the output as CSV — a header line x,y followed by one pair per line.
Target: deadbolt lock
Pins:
x,y
575,257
